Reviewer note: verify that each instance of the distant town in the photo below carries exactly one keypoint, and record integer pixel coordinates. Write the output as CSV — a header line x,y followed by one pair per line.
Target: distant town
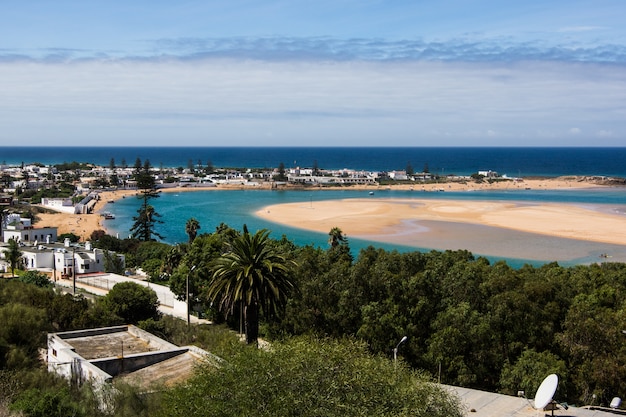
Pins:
x,y
46,184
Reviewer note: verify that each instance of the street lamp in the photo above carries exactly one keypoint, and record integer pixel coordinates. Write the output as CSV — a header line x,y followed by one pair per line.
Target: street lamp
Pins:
x,y
395,350
187,294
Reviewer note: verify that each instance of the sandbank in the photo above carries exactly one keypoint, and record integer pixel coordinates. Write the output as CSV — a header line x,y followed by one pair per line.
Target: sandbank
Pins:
x,y
84,224
363,218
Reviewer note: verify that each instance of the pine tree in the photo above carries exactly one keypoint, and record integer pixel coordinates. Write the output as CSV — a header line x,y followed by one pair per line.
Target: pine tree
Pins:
x,y
147,217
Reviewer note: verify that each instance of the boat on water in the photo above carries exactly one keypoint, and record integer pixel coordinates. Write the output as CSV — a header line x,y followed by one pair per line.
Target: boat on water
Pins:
x,y
108,215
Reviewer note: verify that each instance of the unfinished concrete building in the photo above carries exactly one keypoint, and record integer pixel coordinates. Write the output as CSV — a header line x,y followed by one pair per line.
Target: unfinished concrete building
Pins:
x,y
122,353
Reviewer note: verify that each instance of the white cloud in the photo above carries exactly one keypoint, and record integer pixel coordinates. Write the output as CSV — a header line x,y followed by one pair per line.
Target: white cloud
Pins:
x,y
468,48
235,101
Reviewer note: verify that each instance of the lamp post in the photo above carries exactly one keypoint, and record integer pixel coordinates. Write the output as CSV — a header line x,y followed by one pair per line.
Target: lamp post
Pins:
x,y
187,295
395,351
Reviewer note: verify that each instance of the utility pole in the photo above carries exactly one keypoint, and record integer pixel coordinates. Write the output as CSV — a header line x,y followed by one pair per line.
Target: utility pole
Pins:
x,y
187,295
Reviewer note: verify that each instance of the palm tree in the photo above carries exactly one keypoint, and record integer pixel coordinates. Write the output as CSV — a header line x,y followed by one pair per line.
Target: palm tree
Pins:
x,y
13,255
336,237
191,228
254,274
173,258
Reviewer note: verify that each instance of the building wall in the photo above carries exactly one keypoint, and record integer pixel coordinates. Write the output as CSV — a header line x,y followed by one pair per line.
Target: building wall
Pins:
x,y
41,235
35,260
63,361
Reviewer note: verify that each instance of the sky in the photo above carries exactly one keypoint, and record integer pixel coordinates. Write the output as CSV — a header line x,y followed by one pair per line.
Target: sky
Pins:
x,y
313,73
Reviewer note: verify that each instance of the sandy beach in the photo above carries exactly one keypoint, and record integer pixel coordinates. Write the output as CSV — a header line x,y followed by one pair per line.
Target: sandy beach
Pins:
x,y
389,220
82,225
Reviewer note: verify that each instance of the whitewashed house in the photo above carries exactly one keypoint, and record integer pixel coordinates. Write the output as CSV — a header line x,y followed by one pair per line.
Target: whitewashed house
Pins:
x,y
22,230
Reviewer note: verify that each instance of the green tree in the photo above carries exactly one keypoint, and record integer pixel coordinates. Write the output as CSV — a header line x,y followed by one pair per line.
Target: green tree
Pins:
x,y
13,255
461,344
191,228
23,332
339,247
113,263
254,274
144,223
173,258
35,278
281,173
150,250
336,237
132,302
153,268
308,377
593,341
68,312
314,308
209,167
198,256
529,370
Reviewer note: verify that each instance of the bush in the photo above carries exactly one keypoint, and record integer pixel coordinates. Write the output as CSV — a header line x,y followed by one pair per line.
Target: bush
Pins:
x,y
309,377
35,278
132,302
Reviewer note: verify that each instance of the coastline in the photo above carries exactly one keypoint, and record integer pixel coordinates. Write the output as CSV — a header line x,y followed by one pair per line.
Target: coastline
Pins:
x,y
382,227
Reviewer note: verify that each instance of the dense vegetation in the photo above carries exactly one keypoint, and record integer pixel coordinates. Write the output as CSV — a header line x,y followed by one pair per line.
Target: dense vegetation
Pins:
x,y
308,377
468,322
30,308
358,384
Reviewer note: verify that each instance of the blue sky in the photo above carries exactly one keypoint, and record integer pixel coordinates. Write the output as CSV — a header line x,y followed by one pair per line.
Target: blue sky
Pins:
x,y
301,73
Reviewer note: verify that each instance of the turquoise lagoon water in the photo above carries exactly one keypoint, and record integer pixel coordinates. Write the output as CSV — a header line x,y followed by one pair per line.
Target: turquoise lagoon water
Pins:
x,y
237,207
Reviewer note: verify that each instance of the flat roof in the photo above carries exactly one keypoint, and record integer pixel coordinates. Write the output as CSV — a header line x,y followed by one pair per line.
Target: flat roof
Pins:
x,y
110,345
132,355
489,404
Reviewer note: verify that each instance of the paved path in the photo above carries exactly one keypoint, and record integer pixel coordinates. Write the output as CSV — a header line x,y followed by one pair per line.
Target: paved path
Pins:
x,y
100,284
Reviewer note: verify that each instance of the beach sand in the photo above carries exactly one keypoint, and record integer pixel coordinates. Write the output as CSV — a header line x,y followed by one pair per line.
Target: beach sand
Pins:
x,y
391,220
82,225
371,217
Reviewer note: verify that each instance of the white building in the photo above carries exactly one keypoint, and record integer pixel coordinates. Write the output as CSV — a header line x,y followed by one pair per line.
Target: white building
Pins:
x,y
488,173
123,352
65,260
22,230
64,205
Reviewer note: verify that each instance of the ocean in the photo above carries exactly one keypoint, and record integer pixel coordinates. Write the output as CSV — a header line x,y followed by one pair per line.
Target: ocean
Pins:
x,y
512,161
236,208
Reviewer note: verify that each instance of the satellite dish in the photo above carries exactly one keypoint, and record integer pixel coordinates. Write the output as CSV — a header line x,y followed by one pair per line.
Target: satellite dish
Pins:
x,y
615,402
546,391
